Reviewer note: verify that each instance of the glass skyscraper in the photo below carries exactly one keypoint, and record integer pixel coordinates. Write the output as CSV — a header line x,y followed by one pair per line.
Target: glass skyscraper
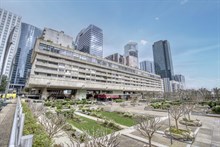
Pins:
x,y
10,23
22,64
90,40
162,59
147,66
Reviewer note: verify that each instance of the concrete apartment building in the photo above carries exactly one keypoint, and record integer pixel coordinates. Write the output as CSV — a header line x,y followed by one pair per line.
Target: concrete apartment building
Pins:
x,y
56,67
117,58
131,54
58,37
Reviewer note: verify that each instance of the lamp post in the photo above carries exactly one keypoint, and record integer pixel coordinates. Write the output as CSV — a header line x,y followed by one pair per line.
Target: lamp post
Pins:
x,y
171,139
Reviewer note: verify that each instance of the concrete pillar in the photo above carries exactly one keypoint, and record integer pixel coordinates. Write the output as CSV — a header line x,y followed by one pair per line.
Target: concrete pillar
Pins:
x,y
44,94
81,94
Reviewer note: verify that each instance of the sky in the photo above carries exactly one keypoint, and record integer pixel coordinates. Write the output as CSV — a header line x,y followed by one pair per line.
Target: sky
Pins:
x,y
191,26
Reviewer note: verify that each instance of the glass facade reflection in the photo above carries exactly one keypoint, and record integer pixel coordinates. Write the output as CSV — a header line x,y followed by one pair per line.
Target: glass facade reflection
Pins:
x,y
22,65
162,59
90,40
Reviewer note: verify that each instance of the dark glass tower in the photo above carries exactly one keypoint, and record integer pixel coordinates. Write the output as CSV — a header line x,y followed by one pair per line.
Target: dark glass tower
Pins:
x,y
162,59
22,64
90,40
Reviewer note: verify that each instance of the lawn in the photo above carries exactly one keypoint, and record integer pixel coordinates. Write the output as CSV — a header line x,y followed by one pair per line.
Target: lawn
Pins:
x,y
118,118
90,126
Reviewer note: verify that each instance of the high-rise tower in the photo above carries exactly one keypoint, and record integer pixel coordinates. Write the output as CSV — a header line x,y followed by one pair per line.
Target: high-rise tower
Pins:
x,y
90,40
9,31
28,36
131,54
163,59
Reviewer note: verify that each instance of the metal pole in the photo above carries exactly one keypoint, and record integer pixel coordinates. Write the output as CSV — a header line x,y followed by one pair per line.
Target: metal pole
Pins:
x,y
171,139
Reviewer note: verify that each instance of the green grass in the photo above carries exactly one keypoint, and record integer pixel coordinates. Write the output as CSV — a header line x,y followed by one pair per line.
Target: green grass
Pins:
x,y
90,126
118,118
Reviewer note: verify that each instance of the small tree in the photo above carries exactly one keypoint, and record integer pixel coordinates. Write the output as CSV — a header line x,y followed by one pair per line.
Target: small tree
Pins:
x,y
3,83
188,108
147,126
216,93
53,124
176,112
104,141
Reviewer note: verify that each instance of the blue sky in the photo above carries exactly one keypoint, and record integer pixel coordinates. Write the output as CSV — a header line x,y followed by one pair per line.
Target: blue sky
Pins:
x,y
191,26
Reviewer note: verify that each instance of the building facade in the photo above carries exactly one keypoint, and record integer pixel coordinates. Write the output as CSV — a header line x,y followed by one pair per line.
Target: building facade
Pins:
x,y
162,59
57,37
131,54
9,24
57,67
117,58
90,40
22,64
147,66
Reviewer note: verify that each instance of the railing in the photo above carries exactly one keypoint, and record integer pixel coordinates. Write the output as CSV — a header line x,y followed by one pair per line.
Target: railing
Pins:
x,y
16,138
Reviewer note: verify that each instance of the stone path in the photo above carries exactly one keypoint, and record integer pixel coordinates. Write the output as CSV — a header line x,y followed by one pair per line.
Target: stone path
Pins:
x,y
6,122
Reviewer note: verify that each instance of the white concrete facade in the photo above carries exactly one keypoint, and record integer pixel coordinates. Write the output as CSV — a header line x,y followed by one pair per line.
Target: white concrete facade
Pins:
x,y
8,21
57,37
71,69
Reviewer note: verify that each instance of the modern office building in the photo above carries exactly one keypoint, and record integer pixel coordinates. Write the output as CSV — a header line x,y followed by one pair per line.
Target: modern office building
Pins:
x,y
90,40
9,24
147,66
131,54
56,67
163,59
116,58
22,64
57,37
181,79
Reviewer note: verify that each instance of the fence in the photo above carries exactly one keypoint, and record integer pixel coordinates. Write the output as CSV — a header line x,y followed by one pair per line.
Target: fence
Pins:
x,y
16,138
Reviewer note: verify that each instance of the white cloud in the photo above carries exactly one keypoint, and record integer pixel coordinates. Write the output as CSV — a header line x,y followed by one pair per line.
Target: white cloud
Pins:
x,y
156,18
182,2
143,42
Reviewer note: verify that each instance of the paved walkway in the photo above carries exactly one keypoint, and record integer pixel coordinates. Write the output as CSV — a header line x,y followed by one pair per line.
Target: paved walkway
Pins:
x,y
6,122
208,134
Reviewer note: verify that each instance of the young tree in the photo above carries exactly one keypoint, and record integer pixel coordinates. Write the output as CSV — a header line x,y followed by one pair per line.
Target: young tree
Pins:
x,y
188,108
3,83
204,93
147,126
53,124
105,141
216,93
176,112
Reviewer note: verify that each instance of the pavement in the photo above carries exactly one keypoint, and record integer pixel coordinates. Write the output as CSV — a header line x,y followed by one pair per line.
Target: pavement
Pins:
x,y
6,122
208,135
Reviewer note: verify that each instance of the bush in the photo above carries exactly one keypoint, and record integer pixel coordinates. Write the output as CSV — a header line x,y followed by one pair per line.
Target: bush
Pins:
x,y
118,100
216,109
127,114
48,104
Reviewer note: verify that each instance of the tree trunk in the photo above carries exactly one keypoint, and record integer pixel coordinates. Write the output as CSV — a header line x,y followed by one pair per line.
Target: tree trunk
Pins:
x,y
149,141
189,116
176,124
